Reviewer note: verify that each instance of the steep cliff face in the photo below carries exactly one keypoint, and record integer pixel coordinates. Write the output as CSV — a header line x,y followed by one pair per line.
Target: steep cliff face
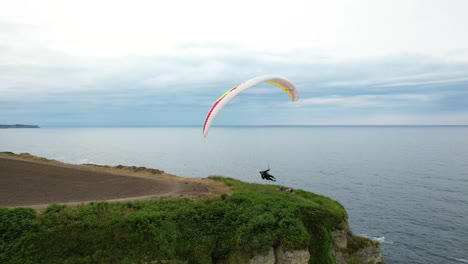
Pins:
x,y
279,256
346,249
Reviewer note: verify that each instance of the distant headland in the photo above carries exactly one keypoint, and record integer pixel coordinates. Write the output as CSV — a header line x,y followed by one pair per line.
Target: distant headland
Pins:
x,y
18,126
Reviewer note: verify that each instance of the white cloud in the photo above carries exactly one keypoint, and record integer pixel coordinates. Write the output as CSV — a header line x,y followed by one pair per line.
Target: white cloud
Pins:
x,y
424,82
345,28
366,100
347,55
178,75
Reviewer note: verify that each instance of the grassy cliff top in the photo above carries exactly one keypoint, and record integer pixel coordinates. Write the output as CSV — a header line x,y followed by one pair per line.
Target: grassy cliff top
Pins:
x,y
230,228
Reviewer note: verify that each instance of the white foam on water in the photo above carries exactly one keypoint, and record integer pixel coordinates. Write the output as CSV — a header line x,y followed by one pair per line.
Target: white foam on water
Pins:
x,y
85,161
380,239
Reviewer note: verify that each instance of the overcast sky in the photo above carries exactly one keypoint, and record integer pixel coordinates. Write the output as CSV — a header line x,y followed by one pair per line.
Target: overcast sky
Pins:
x,y
156,63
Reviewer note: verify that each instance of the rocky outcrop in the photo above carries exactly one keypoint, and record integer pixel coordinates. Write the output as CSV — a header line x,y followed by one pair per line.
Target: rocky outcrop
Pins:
x,y
293,257
279,256
266,258
346,248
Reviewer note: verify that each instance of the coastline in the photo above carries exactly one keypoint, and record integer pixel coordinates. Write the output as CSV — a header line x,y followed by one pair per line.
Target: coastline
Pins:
x,y
31,181
269,225
2,126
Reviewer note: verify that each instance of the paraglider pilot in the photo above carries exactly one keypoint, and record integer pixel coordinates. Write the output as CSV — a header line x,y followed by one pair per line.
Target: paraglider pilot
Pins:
x,y
267,176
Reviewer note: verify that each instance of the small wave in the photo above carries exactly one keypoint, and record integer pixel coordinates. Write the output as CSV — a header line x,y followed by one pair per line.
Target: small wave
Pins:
x,y
381,239
85,161
461,260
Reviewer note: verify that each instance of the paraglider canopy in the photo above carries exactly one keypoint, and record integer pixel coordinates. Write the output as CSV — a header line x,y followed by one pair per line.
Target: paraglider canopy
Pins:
x,y
287,86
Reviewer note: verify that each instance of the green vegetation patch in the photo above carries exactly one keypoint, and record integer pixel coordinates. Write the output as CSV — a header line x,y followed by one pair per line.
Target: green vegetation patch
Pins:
x,y
230,228
23,155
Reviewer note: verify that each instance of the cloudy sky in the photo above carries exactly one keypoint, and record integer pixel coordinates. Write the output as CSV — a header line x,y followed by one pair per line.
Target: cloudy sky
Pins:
x,y
157,63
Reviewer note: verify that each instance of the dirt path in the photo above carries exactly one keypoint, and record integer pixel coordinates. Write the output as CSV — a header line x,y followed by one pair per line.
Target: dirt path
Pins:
x,y
26,180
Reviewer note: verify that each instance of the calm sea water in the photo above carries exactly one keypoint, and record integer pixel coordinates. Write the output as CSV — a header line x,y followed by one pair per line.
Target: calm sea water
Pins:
x,y
404,186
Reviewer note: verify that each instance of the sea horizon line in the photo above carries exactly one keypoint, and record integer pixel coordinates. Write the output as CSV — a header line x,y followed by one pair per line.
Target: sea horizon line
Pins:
x,y
246,126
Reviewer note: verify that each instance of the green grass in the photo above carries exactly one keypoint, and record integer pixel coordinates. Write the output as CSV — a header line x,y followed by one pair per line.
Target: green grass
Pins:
x,y
23,155
228,229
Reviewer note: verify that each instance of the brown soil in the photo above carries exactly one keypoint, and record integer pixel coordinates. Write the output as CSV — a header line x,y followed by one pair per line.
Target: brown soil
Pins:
x,y
26,180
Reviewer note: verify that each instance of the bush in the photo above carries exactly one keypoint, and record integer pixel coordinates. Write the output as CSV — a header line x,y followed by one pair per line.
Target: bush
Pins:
x,y
19,229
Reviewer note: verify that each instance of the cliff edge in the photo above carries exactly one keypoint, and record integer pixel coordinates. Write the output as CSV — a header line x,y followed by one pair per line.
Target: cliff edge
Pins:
x,y
346,249
237,222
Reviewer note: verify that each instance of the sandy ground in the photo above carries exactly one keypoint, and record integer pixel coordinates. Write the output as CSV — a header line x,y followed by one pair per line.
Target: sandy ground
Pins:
x,y
26,180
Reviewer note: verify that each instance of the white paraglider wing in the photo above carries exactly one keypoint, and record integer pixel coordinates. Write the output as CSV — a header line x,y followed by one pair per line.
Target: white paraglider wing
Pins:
x,y
287,86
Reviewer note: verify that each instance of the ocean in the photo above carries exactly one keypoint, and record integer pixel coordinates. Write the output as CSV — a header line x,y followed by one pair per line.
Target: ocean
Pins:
x,y
406,186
